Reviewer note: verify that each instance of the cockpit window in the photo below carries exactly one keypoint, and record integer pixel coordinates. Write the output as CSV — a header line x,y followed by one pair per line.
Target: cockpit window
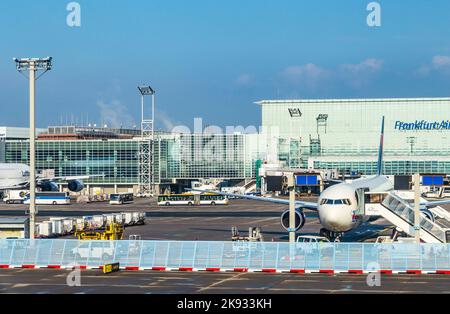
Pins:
x,y
335,202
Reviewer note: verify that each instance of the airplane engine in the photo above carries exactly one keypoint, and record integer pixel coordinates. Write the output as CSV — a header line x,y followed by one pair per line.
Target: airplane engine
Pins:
x,y
428,214
75,185
49,187
300,219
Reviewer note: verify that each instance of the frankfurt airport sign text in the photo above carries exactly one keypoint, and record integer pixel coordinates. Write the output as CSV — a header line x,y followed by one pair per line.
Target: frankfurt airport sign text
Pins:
x,y
421,125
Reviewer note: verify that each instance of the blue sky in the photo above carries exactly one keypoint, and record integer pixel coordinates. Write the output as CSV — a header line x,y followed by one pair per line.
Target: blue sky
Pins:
x,y
214,58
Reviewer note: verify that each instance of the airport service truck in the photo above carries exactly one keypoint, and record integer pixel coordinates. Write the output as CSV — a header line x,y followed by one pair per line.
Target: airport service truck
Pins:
x,y
15,196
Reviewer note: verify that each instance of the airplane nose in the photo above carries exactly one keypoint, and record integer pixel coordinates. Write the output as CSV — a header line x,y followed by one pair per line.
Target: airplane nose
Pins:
x,y
334,218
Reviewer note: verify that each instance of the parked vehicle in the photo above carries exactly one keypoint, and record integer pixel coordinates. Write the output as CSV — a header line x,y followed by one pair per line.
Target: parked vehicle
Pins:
x,y
94,250
121,198
15,196
312,239
50,198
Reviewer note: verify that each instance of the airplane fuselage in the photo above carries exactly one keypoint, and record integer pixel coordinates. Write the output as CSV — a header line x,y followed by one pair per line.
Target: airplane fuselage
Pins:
x,y
338,206
12,175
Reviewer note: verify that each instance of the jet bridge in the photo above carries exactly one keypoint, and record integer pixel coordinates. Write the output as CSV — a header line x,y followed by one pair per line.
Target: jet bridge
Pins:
x,y
400,212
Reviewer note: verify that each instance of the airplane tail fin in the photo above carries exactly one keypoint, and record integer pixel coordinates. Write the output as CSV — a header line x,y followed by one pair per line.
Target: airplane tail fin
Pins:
x,y
380,150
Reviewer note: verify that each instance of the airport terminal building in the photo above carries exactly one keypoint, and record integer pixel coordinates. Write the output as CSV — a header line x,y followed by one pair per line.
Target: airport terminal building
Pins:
x,y
320,134
344,134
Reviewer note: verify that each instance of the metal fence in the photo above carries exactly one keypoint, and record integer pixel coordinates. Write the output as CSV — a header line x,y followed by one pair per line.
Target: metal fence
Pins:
x,y
237,256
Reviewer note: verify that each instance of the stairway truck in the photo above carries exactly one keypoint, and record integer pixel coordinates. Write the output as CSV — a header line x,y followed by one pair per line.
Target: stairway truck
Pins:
x,y
15,196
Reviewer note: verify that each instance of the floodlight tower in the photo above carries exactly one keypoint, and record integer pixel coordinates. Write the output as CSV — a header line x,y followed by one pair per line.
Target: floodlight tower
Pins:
x,y
147,125
146,146
33,66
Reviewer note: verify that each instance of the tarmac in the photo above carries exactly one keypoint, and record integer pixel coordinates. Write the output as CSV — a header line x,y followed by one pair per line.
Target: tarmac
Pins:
x,y
207,223
45,281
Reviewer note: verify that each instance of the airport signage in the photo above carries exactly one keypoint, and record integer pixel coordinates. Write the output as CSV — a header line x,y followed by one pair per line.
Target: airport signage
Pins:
x,y
422,125
110,268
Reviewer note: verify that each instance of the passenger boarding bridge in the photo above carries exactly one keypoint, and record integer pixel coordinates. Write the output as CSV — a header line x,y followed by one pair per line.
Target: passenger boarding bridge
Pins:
x,y
398,208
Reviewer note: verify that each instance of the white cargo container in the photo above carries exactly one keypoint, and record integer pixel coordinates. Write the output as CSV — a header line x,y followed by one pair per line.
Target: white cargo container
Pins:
x,y
139,218
45,228
99,221
57,226
89,222
67,225
109,218
135,217
118,218
128,219
79,224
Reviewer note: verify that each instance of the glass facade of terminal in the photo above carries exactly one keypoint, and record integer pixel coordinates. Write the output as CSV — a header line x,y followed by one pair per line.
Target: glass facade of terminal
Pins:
x,y
175,157
116,159
343,129
194,156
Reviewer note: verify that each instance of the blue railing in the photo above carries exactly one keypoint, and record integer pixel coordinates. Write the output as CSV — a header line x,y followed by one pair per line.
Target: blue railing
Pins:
x,y
226,255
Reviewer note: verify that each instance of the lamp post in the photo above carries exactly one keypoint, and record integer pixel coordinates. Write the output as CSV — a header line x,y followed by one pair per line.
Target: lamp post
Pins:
x,y
33,66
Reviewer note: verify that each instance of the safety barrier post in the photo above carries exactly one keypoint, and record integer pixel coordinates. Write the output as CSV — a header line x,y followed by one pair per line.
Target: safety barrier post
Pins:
x,y
334,256
63,251
37,253
223,249
194,255
277,255
51,252
25,250
140,253
348,256
363,257
406,262
89,254
421,255
435,261
319,255
12,252
167,255
115,252
154,254
181,255
128,254
207,255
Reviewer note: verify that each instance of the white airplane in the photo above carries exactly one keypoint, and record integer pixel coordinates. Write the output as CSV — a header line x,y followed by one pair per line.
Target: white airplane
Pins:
x,y
338,206
17,176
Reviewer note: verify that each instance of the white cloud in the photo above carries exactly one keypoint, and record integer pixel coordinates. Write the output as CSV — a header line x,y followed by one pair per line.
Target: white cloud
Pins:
x,y
244,79
115,114
365,67
308,74
165,120
440,62
423,70
360,74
